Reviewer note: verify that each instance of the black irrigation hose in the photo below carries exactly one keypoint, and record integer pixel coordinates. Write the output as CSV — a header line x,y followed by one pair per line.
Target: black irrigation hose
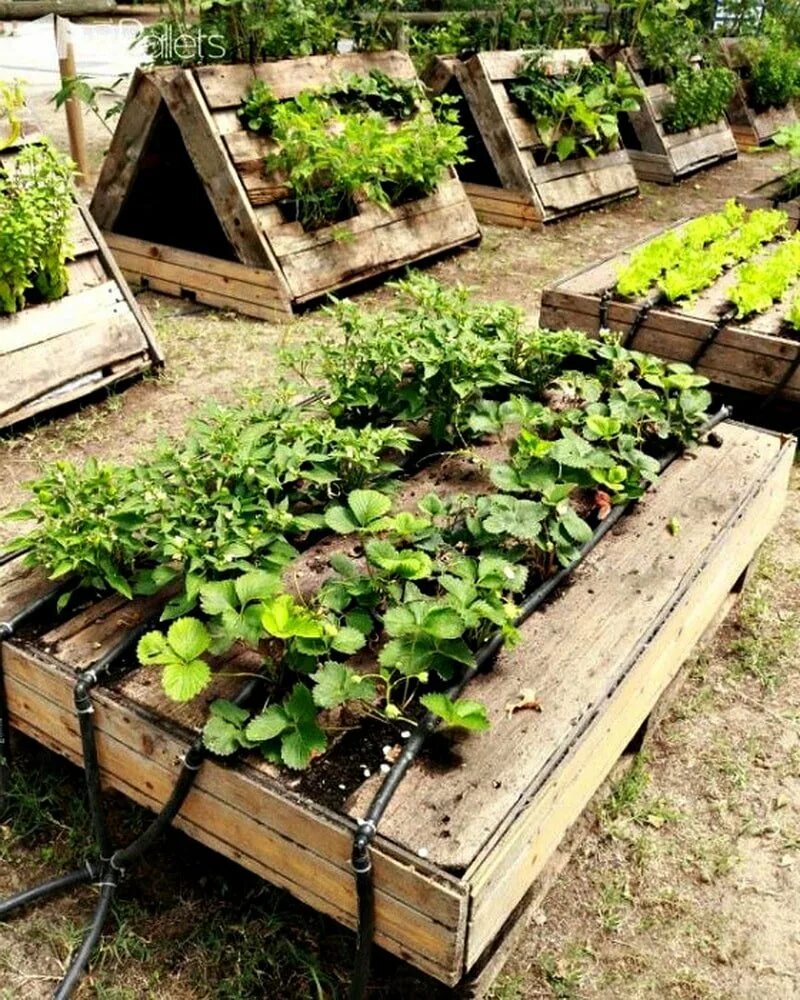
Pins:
x,y
605,300
114,870
7,630
638,320
366,831
711,337
46,889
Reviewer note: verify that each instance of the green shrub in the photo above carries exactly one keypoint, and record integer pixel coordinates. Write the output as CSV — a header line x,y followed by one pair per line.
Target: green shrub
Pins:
x,y
774,78
35,208
330,156
699,96
575,113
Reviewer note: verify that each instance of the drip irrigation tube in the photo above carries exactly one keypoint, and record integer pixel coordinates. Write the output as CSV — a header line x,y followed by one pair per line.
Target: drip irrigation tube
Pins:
x,y
711,337
605,301
7,630
367,829
638,320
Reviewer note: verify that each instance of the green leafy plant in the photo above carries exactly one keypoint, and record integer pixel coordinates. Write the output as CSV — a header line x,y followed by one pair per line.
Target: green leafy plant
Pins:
x,y
765,281
331,158
575,113
698,96
12,104
179,652
459,714
788,139
772,69
35,207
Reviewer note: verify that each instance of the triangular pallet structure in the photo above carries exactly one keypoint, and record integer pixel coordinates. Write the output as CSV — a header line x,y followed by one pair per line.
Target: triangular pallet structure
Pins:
x,y
750,127
660,156
506,180
96,335
186,207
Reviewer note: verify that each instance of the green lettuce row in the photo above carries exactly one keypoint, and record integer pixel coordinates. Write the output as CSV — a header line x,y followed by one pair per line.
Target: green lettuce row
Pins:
x,y
765,281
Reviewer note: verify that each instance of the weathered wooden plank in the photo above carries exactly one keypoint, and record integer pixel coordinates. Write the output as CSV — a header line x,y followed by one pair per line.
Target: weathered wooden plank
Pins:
x,y
612,177
500,207
225,86
503,65
406,234
40,324
570,657
509,864
197,271
43,367
210,158
130,139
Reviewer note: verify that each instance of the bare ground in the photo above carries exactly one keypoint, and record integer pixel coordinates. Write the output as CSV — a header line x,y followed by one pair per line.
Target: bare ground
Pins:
x,y
687,884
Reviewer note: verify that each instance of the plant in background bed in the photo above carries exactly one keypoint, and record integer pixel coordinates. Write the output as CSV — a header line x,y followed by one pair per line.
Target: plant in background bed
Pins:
x,y
575,113
772,72
364,138
35,209
788,139
699,96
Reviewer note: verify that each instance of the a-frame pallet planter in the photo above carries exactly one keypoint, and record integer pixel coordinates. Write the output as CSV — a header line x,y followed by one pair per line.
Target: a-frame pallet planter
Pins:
x,y
507,182
53,353
751,127
657,155
186,207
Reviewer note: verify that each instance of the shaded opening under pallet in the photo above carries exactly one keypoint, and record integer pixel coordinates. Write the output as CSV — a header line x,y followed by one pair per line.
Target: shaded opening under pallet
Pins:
x,y
53,353
760,356
507,183
468,833
658,155
187,207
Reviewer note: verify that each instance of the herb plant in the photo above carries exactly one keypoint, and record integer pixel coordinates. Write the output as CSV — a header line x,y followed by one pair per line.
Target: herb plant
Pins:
x,y
35,209
773,70
575,113
699,96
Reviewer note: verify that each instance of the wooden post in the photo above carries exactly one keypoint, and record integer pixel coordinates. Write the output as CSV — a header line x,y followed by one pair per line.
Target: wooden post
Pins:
x,y
67,70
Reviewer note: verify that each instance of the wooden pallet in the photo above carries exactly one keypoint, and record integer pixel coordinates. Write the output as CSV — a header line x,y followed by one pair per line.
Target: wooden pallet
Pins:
x,y
660,156
93,337
507,143
184,201
755,357
465,838
751,128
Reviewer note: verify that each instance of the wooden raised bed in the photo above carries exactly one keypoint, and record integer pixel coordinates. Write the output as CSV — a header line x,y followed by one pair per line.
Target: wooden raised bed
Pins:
x,y
96,335
506,182
657,155
750,127
185,205
758,356
465,837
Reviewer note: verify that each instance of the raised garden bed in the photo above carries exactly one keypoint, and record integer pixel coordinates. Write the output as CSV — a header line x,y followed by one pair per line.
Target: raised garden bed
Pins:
x,y
94,336
507,182
468,833
658,155
759,355
750,127
187,208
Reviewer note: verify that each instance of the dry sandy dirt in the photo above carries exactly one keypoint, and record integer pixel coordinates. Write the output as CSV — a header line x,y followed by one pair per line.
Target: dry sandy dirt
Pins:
x,y
688,880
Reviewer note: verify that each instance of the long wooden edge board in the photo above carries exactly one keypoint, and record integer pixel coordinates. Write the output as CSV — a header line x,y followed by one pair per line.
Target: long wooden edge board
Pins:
x,y
597,658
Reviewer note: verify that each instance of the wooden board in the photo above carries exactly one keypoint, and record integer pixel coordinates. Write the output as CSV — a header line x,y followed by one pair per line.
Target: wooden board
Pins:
x,y
463,841
663,157
510,141
95,336
292,266
750,127
755,356
497,206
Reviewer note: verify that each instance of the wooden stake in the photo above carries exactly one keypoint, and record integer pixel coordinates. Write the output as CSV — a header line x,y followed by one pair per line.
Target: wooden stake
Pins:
x,y
68,71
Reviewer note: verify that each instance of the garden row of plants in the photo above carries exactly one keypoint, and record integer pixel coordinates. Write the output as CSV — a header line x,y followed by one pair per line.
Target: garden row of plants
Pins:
x,y
680,263
219,520
35,209
366,137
